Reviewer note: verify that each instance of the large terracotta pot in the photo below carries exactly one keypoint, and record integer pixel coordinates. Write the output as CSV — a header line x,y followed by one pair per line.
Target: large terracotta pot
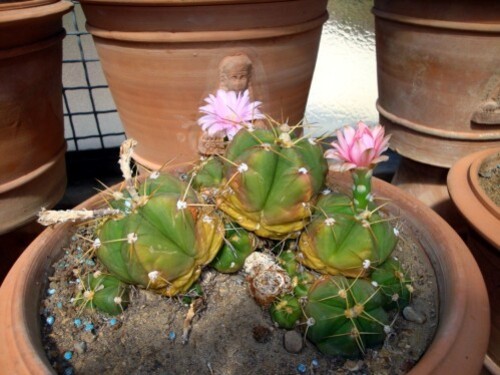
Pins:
x,y
484,234
161,58
458,347
438,77
32,145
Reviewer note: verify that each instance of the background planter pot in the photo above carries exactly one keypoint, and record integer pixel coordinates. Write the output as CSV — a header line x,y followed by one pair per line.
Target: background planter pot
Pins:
x,y
161,58
438,77
458,347
483,237
438,87
32,144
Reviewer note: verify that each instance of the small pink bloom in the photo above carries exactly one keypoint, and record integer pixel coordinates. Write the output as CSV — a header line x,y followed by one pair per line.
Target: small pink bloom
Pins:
x,y
358,148
227,112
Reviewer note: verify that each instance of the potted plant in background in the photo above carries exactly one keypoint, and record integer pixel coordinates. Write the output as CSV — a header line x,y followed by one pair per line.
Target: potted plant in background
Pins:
x,y
267,182
474,186
31,116
161,58
438,87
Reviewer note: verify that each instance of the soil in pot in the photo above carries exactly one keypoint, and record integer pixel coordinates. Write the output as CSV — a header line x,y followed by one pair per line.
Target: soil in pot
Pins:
x,y
229,334
489,178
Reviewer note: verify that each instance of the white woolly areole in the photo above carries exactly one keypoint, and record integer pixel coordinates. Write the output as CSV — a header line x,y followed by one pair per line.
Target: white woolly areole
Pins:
x,y
387,329
329,221
396,232
154,175
131,238
375,284
97,273
242,168
366,264
153,275
97,243
303,170
207,219
117,300
326,192
312,140
181,205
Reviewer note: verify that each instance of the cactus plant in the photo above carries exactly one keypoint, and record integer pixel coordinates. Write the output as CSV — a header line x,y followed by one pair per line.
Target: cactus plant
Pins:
x,y
272,180
395,285
341,241
163,238
103,292
345,316
300,276
238,245
286,311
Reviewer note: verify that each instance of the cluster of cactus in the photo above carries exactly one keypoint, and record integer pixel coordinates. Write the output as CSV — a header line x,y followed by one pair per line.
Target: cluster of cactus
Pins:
x,y
268,186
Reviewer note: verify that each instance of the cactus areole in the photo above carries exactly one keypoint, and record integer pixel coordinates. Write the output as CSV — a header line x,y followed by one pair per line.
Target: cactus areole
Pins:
x,y
161,242
272,181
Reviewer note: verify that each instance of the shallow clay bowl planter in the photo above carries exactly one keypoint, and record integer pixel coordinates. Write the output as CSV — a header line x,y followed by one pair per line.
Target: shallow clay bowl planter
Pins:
x,y
483,237
458,347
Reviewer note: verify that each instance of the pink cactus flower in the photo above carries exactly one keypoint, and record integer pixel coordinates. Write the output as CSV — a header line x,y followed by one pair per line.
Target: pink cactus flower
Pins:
x,y
360,148
227,112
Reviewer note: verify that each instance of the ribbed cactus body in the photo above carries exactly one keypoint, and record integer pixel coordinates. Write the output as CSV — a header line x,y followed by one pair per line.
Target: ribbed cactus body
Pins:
x,y
237,246
161,244
208,174
272,181
301,278
395,285
103,292
341,241
286,311
347,316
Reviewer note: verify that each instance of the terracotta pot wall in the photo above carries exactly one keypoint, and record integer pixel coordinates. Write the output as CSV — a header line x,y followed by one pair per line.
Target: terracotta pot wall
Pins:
x,y
160,75
32,144
437,64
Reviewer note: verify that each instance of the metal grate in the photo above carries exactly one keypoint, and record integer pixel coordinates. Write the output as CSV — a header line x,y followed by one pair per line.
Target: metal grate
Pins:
x,y
90,117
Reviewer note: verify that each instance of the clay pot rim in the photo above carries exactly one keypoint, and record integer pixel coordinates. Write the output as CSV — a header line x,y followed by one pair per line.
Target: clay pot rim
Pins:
x,y
35,11
176,2
464,314
24,4
469,197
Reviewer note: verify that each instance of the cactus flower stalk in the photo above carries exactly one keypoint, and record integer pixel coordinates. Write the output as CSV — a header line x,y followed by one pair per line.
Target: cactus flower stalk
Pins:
x,y
359,150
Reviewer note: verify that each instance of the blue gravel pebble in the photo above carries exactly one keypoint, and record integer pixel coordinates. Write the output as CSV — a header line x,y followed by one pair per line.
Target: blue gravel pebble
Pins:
x,y
68,355
59,305
51,291
171,335
89,327
90,262
69,371
50,320
113,321
301,368
77,322
315,363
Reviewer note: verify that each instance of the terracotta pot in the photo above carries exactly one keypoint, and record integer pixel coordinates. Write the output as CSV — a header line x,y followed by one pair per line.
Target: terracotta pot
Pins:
x,y
32,141
484,235
458,347
161,58
438,77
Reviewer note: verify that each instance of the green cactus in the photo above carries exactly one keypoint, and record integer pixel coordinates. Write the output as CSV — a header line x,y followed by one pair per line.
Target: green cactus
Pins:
x,y
301,278
208,174
103,292
272,180
286,311
345,316
238,245
164,237
394,283
339,240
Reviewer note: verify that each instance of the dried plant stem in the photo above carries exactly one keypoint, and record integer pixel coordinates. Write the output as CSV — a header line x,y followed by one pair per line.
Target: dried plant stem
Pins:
x,y
52,217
